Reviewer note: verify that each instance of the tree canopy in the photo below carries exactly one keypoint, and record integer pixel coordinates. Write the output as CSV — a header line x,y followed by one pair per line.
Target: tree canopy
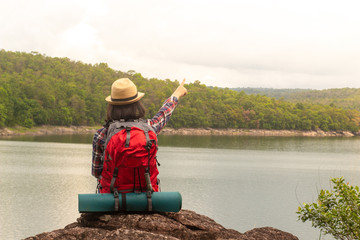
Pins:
x,y
348,98
39,90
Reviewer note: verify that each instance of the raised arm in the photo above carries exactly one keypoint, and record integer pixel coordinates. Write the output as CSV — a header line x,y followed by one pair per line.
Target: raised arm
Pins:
x,y
159,121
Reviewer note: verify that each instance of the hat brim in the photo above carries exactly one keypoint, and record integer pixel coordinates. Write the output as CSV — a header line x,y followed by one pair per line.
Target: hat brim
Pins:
x,y
108,99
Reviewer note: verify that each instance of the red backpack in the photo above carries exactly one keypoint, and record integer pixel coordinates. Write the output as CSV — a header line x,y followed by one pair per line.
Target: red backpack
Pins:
x,y
130,158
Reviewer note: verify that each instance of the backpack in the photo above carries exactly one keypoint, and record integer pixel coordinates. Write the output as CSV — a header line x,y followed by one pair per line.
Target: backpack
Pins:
x,y
130,163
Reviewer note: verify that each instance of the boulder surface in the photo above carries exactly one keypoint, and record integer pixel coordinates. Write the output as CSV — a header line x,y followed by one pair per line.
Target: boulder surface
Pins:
x,y
182,225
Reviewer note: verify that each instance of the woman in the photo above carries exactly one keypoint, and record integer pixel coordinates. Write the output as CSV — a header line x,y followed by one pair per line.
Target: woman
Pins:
x,y
124,104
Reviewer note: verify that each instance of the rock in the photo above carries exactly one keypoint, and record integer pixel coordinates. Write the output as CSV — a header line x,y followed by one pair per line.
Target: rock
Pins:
x,y
255,132
347,134
6,132
182,225
58,130
269,233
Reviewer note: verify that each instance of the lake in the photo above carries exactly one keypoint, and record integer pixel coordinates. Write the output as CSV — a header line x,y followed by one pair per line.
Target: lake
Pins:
x,y
240,182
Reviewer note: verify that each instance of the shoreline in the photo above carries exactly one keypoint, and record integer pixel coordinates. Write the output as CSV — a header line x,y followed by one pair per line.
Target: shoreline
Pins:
x,y
61,130
255,132
47,130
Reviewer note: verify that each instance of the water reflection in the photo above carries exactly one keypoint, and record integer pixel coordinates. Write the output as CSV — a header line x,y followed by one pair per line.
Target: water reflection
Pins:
x,y
298,144
67,138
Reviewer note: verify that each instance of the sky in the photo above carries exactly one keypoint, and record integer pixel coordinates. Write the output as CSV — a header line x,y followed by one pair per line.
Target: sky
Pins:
x,y
254,43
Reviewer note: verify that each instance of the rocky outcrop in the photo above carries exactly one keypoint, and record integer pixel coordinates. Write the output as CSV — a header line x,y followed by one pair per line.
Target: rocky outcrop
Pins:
x,y
255,132
58,130
6,132
182,225
46,130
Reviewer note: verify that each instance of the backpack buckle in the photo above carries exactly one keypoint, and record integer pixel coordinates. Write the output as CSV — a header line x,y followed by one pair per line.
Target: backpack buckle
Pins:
x,y
127,143
116,200
148,145
116,194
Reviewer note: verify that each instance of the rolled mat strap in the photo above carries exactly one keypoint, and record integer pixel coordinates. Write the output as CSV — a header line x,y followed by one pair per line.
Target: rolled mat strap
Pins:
x,y
123,204
116,201
149,201
133,202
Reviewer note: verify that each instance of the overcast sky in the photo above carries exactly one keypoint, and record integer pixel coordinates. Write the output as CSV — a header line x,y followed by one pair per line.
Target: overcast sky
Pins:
x,y
254,43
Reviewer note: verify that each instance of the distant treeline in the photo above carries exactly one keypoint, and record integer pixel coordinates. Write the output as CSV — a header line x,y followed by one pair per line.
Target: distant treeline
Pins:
x,y
271,92
348,98
40,90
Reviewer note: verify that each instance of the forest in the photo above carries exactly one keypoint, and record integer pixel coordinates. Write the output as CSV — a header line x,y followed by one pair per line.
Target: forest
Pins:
x,y
348,98
39,90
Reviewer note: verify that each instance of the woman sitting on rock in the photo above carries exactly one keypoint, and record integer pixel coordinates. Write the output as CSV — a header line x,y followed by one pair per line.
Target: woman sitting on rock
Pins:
x,y
124,149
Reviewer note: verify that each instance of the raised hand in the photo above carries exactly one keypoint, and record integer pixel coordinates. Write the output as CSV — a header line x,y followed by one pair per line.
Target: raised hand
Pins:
x,y
180,91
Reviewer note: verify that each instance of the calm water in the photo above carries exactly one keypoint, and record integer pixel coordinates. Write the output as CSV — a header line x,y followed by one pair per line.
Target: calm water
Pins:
x,y
241,182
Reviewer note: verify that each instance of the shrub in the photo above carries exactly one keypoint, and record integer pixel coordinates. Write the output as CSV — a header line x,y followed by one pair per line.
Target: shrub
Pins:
x,y
337,212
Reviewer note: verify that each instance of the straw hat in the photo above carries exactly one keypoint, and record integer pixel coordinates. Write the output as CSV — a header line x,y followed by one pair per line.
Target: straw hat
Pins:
x,y
123,91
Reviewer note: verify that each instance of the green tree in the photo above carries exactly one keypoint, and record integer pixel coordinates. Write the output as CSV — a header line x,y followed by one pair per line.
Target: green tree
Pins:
x,y
337,212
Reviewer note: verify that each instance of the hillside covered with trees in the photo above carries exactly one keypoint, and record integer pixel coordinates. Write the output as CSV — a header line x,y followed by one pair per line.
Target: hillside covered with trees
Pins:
x,y
271,92
40,90
348,98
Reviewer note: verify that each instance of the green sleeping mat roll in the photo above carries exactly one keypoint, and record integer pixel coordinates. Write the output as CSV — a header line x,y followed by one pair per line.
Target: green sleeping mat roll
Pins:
x,y
105,202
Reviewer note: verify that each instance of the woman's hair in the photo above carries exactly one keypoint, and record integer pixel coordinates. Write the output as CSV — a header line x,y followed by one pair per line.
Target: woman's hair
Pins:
x,y
134,110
